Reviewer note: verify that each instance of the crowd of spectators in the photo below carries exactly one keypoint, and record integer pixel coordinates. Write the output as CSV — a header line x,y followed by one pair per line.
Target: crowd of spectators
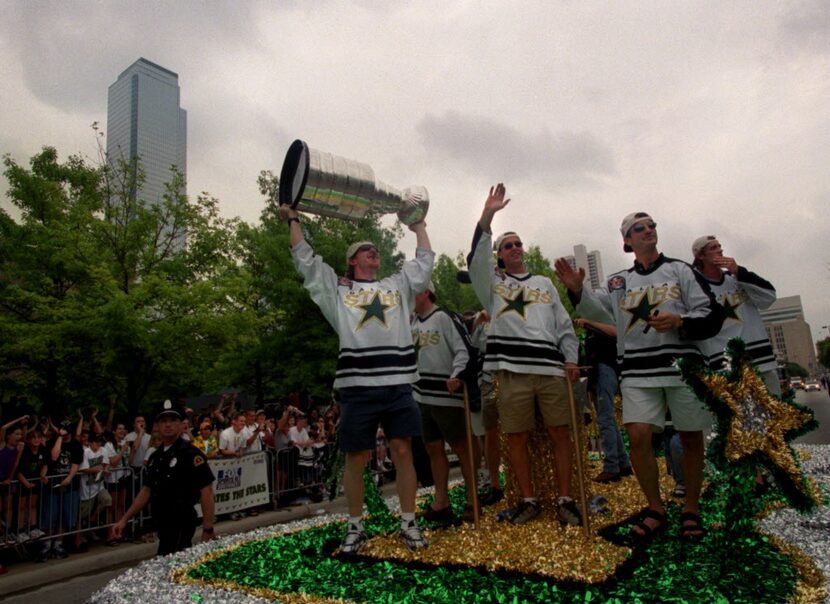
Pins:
x,y
63,483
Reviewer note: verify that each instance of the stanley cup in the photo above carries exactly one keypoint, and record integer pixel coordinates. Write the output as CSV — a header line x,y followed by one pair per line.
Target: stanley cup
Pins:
x,y
329,185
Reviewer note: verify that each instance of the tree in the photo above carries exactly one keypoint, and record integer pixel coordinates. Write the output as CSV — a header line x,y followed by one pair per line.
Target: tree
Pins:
x,y
99,296
797,370
450,292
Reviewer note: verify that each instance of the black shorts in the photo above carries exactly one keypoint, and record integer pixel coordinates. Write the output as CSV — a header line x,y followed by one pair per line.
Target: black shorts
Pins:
x,y
362,409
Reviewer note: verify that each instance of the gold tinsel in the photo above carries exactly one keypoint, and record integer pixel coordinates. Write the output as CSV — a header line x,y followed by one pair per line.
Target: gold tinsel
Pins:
x,y
759,423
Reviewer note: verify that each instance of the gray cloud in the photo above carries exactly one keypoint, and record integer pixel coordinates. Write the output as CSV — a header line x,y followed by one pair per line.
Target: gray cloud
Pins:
x,y
560,159
72,51
806,25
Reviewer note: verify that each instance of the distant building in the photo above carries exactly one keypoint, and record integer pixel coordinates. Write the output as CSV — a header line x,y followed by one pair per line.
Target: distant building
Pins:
x,y
790,334
591,262
146,124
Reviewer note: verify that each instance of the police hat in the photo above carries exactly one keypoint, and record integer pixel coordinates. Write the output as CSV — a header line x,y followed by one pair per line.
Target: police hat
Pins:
x,y
168,408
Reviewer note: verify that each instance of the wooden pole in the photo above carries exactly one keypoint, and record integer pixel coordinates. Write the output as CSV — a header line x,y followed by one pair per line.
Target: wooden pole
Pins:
x,y
580,476
470,449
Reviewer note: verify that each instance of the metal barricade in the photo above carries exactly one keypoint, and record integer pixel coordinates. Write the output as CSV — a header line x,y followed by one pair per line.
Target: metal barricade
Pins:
x,y
47,510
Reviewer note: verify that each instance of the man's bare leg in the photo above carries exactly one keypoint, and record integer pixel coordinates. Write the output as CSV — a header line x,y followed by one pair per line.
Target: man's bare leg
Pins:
x,y
440,466
645,468
353,480
520,461
406,480
563,451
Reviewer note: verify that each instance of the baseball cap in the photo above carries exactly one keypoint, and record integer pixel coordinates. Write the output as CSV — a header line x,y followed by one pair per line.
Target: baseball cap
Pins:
x,y
628,222
355,247
501,238
700,243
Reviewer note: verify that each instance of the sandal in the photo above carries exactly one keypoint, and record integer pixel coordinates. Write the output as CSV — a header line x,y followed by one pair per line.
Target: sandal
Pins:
x,y
694,529
648,533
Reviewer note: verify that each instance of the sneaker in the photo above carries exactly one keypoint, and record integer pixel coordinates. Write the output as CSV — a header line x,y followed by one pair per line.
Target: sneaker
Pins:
x,y
527,511
59,552
493,496
568,512
605,477
679,491
353,541
442,516
36,533
23,537
411,536
11,538
43,555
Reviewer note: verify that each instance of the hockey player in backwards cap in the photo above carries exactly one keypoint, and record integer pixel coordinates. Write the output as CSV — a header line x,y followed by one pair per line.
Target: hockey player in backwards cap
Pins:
x,y
660,307
377,363
532,348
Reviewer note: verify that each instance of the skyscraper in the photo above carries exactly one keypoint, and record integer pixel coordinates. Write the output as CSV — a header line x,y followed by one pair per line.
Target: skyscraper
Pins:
x,y
591,262
790,334
146,123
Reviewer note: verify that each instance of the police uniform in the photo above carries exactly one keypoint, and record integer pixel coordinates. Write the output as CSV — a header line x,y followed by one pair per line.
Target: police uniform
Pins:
x,y
175,477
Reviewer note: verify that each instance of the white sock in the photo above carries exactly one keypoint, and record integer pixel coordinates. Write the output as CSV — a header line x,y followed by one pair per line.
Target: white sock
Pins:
x,y
531,499
406,518
563,499
357,521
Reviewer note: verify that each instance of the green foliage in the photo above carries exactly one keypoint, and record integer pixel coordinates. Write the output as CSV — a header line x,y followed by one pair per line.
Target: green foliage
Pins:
x,y
451,293
99,294
794,369
824,352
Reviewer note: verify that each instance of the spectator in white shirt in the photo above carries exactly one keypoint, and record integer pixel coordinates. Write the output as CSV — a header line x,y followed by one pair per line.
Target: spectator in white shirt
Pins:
x,y
232,441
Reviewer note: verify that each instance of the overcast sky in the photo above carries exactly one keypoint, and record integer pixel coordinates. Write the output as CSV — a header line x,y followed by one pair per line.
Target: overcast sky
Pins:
x,y
712,116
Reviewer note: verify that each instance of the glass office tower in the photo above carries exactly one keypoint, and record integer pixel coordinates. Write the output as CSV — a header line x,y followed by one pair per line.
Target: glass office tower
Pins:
x,y
146,123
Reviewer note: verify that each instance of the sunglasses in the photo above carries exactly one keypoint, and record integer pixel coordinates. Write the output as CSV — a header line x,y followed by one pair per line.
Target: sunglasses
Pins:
x,y
511,244
641,226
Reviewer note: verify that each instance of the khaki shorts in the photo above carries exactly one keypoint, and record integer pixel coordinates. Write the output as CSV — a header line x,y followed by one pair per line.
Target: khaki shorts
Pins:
x,y
103,499
519,394
488,417
648,406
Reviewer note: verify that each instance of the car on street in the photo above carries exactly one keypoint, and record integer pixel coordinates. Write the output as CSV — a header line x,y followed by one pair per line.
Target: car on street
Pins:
x,y
797,383
812,385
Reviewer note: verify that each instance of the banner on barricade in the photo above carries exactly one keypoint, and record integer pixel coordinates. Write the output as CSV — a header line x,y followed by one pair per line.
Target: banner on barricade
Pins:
x,y
241,483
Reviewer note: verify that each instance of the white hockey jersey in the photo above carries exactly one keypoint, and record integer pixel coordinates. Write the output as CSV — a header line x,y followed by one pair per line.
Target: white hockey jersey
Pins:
x,y
441,355
646,357
530,331
371,318
742,296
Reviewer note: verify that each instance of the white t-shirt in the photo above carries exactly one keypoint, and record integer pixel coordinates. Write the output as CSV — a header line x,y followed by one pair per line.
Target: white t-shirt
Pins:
x,y
147,455
297,436
231,440
256,445
115,473
141,447
91,484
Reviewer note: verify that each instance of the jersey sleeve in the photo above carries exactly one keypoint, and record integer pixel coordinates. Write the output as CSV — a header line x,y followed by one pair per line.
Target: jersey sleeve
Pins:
x,y
568,342
456,343
704,316
760,291
482,266
201,474
417,273
318,278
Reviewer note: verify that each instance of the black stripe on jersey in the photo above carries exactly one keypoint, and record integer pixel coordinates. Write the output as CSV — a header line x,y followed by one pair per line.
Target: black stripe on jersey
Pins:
x,y
759,352
369,349
656,361
435,387
651,374
402,371
403,359
748,276
536,352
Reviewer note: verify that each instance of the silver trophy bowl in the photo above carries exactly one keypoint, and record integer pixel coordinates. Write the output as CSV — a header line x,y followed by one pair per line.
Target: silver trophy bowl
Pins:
x,y
329,185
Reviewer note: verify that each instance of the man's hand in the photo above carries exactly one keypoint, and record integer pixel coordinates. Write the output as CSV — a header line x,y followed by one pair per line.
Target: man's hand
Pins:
x,y
64,483
573,372
495,202
580,322
117,530
286,212
208,535
568,276
421,225
454,385
665,321
728,263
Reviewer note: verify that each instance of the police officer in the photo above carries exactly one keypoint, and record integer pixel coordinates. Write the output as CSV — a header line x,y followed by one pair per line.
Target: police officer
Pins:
x,y
177,477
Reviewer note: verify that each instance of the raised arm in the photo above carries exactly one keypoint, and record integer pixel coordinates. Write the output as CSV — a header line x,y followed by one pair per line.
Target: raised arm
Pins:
x,y
495,202
291,215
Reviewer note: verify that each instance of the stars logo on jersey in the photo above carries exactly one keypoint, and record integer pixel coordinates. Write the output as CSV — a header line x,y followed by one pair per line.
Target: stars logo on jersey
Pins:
x,y
641,312
375,309
730,309
517,304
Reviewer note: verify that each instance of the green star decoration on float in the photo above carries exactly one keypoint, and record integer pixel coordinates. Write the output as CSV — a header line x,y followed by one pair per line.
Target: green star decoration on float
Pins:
x,y
641,312
373,310
517,304
754,427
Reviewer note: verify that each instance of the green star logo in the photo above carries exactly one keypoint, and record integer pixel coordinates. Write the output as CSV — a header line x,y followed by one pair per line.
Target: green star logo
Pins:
x,y
516,304
730,309
373,310
641,312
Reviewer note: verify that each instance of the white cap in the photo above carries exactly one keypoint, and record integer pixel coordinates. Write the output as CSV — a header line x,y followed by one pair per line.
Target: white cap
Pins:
x,y
353,248
700,243
501,238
